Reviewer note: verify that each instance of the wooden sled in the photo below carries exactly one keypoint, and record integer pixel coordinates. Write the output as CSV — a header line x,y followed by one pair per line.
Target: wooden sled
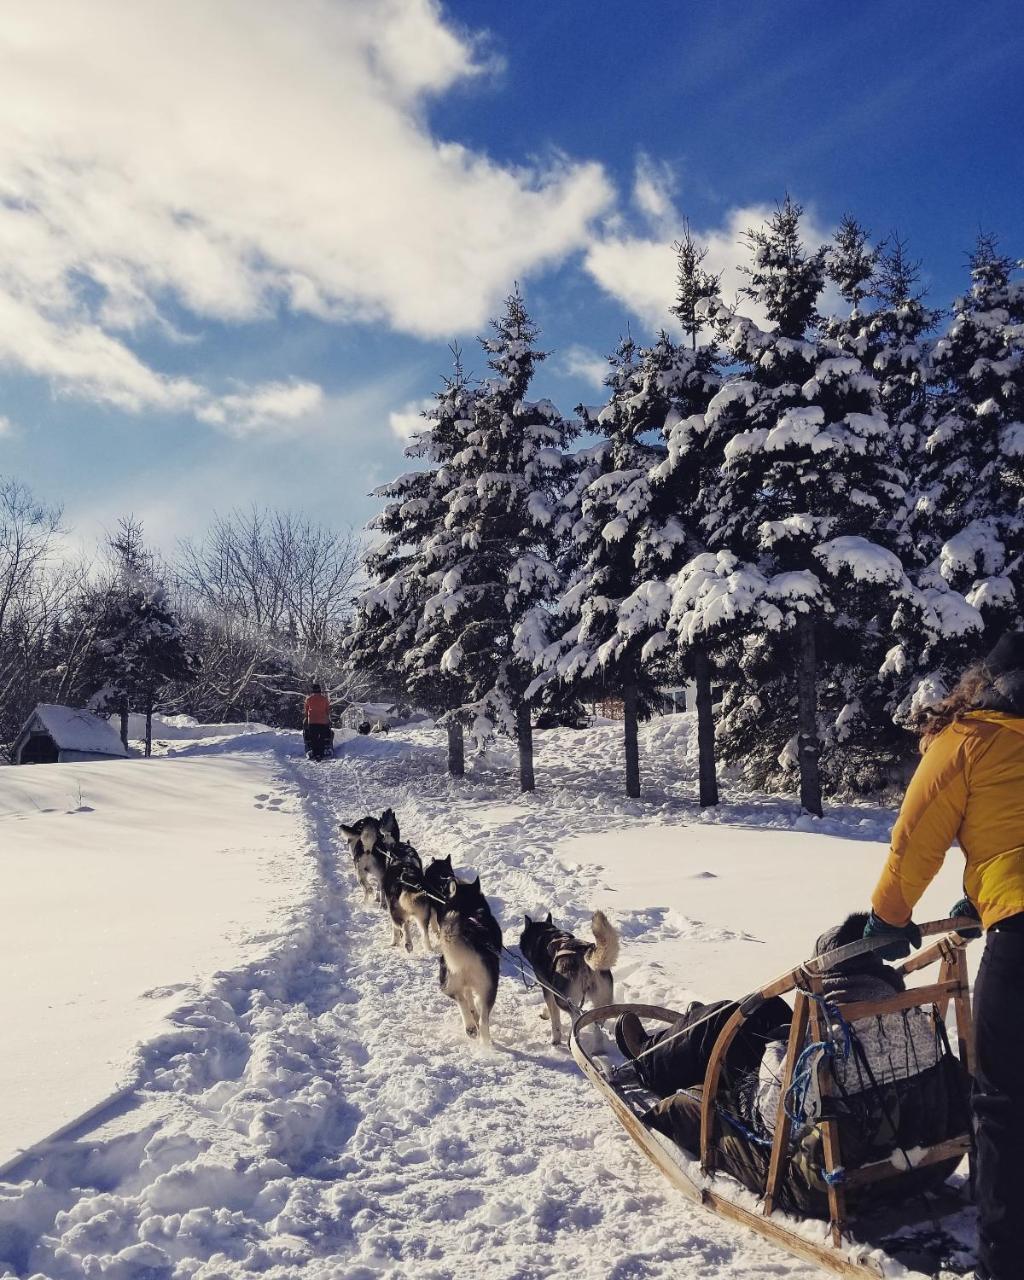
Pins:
x,y
835,1247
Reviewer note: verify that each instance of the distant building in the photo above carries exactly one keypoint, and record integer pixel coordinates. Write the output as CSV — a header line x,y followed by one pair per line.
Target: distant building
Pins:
x,y
380,715
60,735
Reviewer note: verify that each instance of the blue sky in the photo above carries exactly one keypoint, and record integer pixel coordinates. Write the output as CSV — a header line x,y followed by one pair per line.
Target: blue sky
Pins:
x,y
236,239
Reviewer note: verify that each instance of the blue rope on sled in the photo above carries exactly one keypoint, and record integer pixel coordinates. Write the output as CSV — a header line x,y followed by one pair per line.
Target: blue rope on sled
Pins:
x,y
806,1065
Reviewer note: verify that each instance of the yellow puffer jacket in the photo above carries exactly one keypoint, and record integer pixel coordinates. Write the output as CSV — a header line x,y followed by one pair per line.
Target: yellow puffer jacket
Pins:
x,y
969,787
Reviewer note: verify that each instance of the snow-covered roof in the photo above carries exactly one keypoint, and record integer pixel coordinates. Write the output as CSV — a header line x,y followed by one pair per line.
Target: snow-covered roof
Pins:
x,y
75,730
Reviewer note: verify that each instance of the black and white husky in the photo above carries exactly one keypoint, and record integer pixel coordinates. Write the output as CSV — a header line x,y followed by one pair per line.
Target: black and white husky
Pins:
x,y
405,895
367,840
571,970
470,952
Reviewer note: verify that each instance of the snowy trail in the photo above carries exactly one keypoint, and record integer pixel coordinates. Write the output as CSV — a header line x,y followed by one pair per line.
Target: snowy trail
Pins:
x,y
321,1114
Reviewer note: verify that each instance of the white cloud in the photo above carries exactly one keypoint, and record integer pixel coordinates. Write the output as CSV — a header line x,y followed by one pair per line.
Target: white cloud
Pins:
x,y
405,422
242,157
6,426
653,187
271,404
638,268
581,362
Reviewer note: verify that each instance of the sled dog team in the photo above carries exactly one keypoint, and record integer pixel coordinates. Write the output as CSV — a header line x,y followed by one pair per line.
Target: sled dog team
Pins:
x,y
455,920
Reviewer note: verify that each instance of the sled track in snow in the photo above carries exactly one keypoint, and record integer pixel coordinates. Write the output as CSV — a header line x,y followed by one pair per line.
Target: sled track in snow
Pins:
x,y
321,1114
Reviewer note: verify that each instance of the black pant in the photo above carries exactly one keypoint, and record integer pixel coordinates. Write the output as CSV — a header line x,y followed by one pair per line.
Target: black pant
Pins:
x,y
999,1101
679,1056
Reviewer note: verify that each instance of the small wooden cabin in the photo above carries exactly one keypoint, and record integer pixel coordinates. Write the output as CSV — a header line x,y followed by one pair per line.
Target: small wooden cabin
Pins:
x,y
60,735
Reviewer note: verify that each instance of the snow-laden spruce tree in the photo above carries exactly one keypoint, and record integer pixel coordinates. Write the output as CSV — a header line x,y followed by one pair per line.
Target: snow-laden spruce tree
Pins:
x,y
680,380
138,645
494,556
890,662
623,527
971,495
898,353
886,326
851,685
633,518
799,510
965,535
600,515
391,638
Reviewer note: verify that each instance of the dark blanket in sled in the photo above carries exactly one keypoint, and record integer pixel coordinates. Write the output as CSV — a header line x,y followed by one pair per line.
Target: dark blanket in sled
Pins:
x,y
884,1122
318,740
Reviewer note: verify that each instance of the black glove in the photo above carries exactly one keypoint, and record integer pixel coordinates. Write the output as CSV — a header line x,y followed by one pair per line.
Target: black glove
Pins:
x,y
965,907
904,936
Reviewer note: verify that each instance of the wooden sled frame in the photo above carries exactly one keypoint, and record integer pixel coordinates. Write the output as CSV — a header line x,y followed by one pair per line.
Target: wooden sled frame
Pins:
x,y
839,1251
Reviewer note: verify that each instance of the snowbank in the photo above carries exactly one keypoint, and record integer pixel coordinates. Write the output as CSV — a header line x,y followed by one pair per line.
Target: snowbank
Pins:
x,y
185,728
122,885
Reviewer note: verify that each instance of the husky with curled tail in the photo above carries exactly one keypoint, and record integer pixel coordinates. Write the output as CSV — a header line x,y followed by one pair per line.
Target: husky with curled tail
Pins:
x,y
470,951
571,969
367,839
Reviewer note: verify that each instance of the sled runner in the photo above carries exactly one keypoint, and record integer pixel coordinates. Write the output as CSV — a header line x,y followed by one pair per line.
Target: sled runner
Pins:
x,y
867,1207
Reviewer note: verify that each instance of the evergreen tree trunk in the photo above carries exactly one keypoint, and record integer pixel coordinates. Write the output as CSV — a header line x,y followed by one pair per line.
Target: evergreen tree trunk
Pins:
x,y
456,750
123,709
149,727
706,772
629,708
524,736
808,746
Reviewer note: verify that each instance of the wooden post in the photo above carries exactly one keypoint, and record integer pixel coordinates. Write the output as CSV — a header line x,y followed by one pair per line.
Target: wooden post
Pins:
x,y
947,973
808,745
783,1123
829,1128
706,773
524,736
632,748
964,1018
965,1042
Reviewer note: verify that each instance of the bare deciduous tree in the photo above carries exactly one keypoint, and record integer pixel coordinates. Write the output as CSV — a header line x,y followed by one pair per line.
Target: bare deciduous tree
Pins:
x,y
35,589
277,570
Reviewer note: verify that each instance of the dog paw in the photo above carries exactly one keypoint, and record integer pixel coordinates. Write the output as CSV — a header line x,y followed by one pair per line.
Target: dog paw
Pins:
x,y
544,1014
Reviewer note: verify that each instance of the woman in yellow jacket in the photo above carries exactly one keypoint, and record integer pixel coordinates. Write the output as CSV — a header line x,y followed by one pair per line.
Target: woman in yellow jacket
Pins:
x,y
969,787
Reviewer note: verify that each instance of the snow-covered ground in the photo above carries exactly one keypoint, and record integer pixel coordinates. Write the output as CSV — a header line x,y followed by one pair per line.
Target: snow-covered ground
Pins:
x,y
314,1110
122,885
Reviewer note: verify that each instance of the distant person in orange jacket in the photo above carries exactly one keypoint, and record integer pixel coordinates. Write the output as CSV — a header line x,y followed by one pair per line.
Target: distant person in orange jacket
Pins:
x,y
316,723
969,787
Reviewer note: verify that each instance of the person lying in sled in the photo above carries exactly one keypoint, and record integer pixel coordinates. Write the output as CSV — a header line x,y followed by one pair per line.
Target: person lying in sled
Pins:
x,y
896,1085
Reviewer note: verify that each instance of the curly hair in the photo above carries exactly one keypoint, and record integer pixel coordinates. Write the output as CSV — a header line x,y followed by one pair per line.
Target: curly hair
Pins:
x,y
952,709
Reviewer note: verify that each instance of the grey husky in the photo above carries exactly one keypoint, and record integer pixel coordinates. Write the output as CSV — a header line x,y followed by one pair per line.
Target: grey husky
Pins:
x,y
470,951
571,969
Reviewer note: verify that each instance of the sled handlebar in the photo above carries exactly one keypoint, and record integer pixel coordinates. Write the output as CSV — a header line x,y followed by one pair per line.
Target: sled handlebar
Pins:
x,y
816,965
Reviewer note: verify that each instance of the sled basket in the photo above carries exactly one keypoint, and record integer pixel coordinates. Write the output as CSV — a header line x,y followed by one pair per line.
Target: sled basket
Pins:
x,y
848,1243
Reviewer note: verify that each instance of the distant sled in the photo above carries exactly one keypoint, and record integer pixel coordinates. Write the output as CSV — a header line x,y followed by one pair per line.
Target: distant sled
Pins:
x,y
916,1237
318,740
